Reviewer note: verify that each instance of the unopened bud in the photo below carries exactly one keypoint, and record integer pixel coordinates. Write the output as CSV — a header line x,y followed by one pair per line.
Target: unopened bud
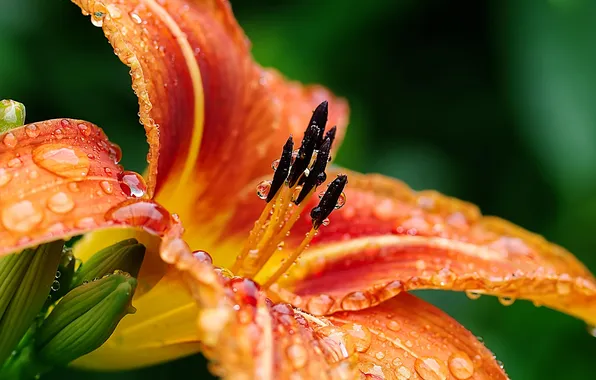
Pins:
x,y
126,255
85,318
12,115
25,281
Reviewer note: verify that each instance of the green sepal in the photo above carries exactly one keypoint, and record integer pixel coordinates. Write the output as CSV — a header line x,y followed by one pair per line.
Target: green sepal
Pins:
x,y
12,115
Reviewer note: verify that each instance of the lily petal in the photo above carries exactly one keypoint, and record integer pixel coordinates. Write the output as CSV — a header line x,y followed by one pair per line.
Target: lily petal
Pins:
x,y
395,340
405,336
58,178
389,238
215,120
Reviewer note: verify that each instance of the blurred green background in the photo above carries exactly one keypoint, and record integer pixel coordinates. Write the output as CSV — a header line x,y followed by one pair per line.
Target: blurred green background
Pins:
x,y
489,101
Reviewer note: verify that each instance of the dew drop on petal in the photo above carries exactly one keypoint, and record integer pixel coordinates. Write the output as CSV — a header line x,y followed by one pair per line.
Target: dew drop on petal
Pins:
x,y
132,184
320,304
5,177
60,203
14,163
84,129
115,152
356,301
473,295
10,140
275,164
97,18
203,256
63,160
135,17
22,216
297,355
32,131
85,223
107,187
506,301
461,366
361,336
429,368
326,222
341,201
148,215
73,186
263,189
393,326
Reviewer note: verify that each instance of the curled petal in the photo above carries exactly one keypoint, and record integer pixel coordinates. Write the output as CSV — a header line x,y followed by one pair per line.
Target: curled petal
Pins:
x,y
399,339
58,178
215,120
405,336
388,238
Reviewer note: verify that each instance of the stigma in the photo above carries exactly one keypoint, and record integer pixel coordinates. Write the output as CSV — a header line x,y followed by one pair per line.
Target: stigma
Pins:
x,y
298,174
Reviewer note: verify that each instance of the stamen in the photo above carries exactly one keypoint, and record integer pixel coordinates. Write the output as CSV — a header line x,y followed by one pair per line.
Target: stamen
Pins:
x,y
293,184
328,201
283,169
317,175
305,152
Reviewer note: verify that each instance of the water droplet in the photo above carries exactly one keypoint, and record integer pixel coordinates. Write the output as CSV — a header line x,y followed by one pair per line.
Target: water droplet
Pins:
x,y
275,164
393,326
506,301
63,160
5,177
563,284
297,355
148,215
356,301
85,223
14,163
84,129
58,134
106,186
320,304
430,368
60,203
461,366
361,336
341,201
325,222
203,256
380,355
32,131
73,186
115,152
337,341
135,17
10,140
374,371
58,274
263,189
97,18
132,184
403,373
55,286
473,294
22,216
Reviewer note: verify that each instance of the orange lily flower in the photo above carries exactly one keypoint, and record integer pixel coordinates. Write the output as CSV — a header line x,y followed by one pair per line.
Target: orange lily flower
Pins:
x,y
299,298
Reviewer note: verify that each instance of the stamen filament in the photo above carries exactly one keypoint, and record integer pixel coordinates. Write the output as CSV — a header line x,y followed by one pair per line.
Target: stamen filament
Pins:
x,y
290,260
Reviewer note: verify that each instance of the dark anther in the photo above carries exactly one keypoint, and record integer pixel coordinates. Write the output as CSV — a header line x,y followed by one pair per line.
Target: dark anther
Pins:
x,y
331,134
283,168
317,174
329,201
309,143
319,118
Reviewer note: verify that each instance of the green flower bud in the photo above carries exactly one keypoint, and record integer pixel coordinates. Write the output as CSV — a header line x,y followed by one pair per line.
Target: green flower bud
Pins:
x,y
126,255
12,115
25,281
84,319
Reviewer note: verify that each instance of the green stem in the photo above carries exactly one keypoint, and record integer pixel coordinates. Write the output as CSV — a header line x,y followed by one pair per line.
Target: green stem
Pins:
x,y
23,366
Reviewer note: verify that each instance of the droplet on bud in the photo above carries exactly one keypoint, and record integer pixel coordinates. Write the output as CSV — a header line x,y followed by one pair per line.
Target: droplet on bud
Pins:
x,y
263,189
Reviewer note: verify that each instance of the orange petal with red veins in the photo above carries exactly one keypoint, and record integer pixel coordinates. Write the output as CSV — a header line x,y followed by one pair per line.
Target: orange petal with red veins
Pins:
x,y
405,336
399,339
60,178
215,120
388,238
